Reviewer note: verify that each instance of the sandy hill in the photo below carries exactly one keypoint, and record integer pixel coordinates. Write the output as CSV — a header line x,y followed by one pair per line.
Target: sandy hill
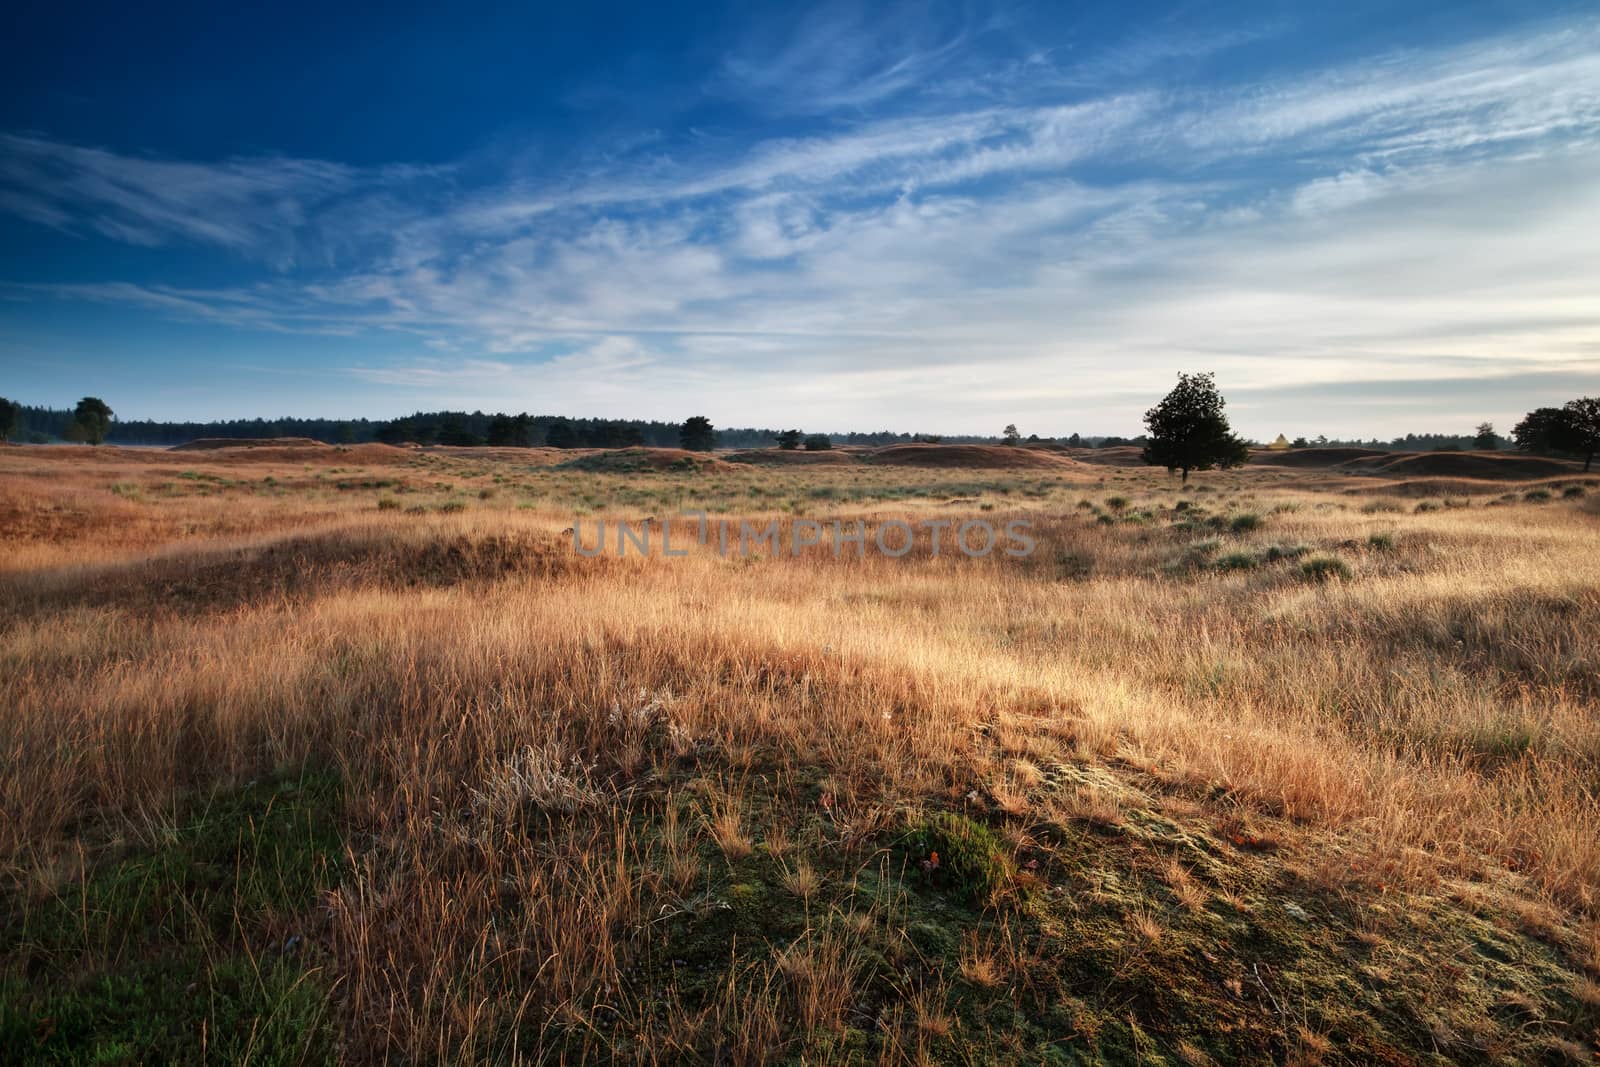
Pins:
x,y
292,450
212,444
1315,457
792,457
1491,465
1115,456
989,457
625,460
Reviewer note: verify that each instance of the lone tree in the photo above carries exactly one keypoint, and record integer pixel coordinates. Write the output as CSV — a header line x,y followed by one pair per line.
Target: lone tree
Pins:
x,y
1538,430
10,418
818,442
92,417
1010,435
697,434
1484,438
789,440
1582,431
1188,431
1573,428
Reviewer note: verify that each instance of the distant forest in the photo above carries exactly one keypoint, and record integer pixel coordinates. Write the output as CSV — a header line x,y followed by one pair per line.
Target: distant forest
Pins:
x,y
466,428
469,428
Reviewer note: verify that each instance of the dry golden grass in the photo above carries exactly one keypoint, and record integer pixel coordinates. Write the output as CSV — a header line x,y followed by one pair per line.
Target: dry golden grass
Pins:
x,y
547,761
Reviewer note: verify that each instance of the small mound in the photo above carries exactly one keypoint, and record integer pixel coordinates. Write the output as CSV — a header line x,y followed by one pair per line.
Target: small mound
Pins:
x,y
1115,456
1502,466
302,567
778,457
1316,457
629,460
211,444
988,457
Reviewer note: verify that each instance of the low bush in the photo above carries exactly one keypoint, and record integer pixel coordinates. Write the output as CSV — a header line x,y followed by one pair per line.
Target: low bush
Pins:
x,y
1322,568
956,851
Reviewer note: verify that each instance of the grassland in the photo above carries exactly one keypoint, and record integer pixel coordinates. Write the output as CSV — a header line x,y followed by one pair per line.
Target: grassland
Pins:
x,y
318,755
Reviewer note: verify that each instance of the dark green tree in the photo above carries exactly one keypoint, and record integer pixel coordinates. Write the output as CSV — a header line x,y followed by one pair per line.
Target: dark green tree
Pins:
x,y
1539,430
559,434
697,434
1189,432
1573,428
510,431
92,417
1484,439
818,442
1580,429
455,432
1010,434
789,440
10,419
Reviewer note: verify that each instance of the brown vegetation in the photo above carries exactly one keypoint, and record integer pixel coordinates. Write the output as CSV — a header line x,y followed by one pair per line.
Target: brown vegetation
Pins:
x,y
1164,787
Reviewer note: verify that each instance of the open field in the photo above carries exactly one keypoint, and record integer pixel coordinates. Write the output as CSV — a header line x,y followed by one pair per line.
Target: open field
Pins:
x,y
317,755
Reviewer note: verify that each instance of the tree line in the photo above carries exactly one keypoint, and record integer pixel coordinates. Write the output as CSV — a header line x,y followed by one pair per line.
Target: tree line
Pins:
x,y
1187,431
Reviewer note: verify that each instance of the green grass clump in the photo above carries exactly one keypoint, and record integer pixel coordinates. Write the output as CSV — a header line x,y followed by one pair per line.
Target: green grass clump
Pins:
x,y
966,855
1238,561
1536,496
1381,541
1322,568
1571,492
1277,552
1243,523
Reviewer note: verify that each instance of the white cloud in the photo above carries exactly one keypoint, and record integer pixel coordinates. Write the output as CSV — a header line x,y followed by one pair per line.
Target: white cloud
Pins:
x,y
1394,219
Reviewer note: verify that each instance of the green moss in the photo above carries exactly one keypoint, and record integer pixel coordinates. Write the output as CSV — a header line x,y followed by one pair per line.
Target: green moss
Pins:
x,y
963,854
207,930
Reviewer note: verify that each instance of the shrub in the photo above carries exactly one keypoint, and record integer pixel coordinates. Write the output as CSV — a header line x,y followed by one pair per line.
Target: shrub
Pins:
x,y
1247,521
1572,492
1426,505
966,855
453,505
1237,561
1372,507
1536,496
1116,503
388,503
1073,564
1322,568
1277,552
1381,541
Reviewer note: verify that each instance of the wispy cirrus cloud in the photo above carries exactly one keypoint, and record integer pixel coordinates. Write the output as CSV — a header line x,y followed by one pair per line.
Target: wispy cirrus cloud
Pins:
x,y
1358,222
264,208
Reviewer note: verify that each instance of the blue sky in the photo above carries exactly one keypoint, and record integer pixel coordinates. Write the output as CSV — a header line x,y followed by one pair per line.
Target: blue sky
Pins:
x,y
1366,220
